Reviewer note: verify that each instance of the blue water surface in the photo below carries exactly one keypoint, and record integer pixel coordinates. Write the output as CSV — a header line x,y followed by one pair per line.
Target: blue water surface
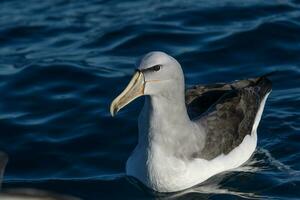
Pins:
x,y
62,63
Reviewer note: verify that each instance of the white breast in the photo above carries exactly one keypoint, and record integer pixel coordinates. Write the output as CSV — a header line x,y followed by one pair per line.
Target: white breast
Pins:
x,y
165,173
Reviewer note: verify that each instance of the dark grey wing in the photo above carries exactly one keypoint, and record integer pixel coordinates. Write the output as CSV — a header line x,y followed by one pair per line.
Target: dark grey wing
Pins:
x,y
201,97
231,117
3,162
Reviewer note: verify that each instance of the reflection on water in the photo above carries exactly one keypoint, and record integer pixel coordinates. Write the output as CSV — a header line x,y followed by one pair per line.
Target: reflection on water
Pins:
x,y
207,192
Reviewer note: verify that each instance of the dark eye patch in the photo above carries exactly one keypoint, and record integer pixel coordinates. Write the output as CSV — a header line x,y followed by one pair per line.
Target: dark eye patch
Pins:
x,y
153,68
156,67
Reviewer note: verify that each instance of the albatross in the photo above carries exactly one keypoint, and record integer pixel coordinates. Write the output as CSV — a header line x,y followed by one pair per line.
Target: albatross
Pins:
x,y
187,136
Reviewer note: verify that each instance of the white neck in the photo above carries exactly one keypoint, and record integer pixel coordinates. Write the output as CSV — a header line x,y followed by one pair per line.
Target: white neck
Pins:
x,y
164,122
165,136
162,113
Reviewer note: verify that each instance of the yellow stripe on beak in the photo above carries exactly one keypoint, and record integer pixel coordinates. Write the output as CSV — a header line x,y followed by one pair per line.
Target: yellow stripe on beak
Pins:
x,y
134,89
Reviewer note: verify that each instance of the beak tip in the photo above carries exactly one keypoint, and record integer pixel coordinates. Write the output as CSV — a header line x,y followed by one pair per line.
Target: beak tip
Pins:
x,y
134,89
113,110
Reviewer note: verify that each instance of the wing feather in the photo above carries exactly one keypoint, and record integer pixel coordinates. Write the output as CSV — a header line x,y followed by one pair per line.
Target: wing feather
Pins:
x,y
228,113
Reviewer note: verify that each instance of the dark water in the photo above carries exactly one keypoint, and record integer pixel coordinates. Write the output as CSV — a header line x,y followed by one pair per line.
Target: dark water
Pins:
x,y
62,62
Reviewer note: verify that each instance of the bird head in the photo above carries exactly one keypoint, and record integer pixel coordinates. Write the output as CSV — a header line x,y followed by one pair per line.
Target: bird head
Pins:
x,y
157,72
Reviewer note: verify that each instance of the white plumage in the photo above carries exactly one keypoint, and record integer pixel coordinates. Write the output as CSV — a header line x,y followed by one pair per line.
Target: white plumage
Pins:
x,y
173,152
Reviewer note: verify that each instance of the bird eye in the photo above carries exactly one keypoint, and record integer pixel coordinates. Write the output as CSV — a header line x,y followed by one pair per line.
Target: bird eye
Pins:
x,y
156,67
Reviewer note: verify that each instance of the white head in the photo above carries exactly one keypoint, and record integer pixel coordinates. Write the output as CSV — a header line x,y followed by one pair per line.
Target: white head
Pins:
x,y
161,72
157,74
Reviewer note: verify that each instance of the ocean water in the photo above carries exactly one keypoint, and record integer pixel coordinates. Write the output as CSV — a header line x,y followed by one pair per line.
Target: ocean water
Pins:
x,y
63,62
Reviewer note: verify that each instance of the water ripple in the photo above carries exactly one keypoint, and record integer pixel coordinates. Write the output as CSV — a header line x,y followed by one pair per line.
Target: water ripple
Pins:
x,y
62,62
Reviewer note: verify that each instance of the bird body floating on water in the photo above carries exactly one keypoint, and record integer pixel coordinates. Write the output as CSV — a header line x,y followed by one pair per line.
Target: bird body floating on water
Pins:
x,y
187,136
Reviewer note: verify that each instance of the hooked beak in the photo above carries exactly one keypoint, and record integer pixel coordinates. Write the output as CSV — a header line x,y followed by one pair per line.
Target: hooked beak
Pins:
x,y
134,89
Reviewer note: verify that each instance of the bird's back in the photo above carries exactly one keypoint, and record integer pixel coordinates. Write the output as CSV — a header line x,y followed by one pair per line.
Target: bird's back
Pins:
x,y
228,112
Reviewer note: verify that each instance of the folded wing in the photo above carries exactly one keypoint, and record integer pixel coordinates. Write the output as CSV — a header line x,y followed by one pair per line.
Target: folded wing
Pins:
x,y
227,112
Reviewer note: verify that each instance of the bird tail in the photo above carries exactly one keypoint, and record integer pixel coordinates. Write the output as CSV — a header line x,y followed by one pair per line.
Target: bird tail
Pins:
x,y
264,84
